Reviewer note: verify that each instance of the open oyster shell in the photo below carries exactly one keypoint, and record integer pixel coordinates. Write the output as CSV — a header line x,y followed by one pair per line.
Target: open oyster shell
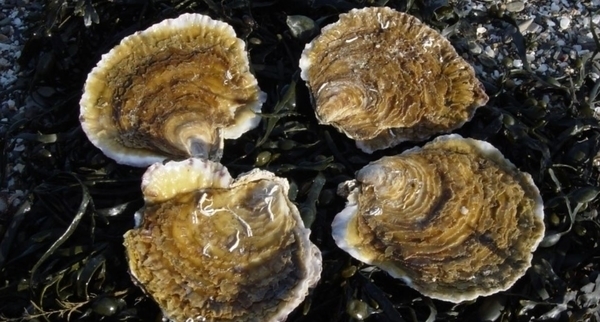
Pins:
x,y
211,248
383,77
455,220
174,90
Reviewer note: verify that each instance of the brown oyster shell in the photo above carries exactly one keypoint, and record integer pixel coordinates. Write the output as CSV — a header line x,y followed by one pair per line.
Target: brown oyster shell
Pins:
x,y
174,90
382,77
455,220
211,248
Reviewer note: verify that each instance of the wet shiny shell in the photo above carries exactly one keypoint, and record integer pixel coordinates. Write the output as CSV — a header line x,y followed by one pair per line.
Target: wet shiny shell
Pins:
x,y
211,248
383,77
173,90
454,219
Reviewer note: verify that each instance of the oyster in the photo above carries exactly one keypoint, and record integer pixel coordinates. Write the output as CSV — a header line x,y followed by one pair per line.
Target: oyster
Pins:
x,y
383,77
211,248
174,90
455,220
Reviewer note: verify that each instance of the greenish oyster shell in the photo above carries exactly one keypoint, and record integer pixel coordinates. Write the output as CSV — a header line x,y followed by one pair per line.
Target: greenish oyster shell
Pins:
x,y
454,219
174,90
211,248
383,77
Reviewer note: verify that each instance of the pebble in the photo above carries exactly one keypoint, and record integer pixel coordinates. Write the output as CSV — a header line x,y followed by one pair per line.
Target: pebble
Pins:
x,y
19,167
475,48
516,6
13,31
517,63
7,30
489,52
524,25
564,23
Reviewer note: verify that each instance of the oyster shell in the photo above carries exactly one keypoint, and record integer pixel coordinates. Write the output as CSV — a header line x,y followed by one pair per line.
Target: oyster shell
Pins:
x,y
455,220
174,90
382,77
211,248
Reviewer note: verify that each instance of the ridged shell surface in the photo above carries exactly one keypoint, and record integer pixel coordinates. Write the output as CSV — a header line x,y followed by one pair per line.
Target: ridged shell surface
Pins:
x,y
211,248
382,77
455,220
174,90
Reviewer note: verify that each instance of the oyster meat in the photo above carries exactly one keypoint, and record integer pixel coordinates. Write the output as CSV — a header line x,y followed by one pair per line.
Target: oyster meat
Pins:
x,y
382,77
211,248
455,220
174,90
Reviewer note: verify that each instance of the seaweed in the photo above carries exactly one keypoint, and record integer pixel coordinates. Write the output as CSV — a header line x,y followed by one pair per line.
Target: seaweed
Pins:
x,y
61,253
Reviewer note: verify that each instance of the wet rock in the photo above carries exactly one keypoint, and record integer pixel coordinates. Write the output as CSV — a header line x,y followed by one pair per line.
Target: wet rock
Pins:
x,y
516,6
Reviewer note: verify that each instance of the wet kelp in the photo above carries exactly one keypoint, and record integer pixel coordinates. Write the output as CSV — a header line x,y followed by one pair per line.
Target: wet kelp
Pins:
x,y
61,253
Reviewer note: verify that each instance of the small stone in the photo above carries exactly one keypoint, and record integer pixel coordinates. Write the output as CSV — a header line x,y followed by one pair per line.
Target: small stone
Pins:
x,y
516,6
487,61
255,41
554,7
4,38
7,30
534,28
16,202
530,57
517,63
19,148
301,26
524,25
475,48
19,168
564,23
543,68
489,51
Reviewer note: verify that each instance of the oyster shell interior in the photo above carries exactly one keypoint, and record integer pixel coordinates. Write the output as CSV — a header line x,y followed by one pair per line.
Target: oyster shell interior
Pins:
x,y
217,249
454,219
174,90
382,77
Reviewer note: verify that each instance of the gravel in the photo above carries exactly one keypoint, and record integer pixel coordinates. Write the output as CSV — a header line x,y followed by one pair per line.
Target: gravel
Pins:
x,y
13,17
